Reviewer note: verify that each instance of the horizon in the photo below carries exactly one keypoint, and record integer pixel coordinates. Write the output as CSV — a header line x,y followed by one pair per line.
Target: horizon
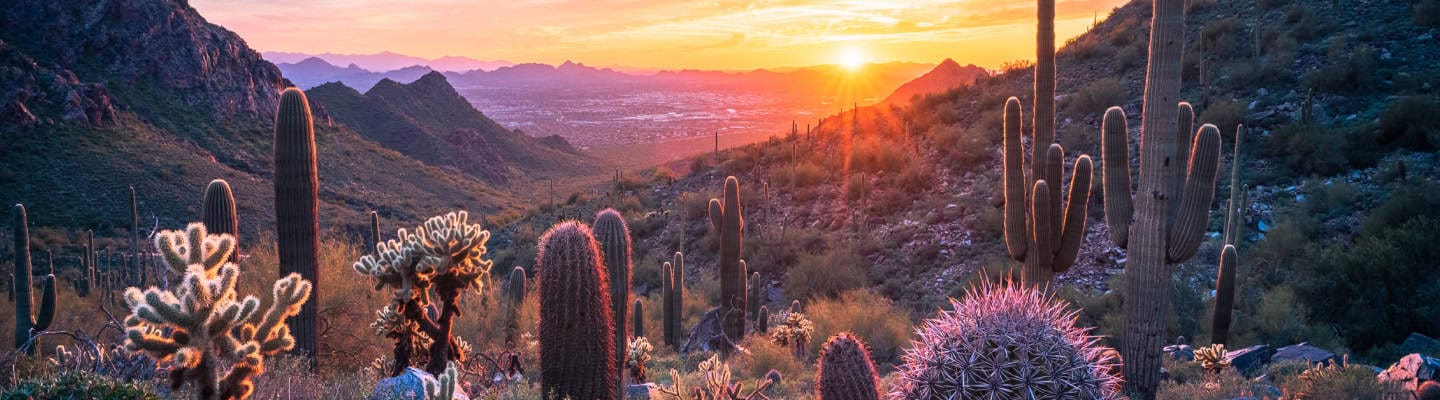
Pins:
x,y
731,36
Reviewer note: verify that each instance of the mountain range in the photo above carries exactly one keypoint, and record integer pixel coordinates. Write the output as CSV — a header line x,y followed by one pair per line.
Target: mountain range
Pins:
x,y
386,61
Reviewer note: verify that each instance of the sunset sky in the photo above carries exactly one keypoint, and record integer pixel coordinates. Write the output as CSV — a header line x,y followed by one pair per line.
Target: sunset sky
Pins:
x,y
654,34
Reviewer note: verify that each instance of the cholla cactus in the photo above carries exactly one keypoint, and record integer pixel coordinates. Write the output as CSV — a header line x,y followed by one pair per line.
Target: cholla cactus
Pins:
x,y
441,258
445,385
717,384
1006,342
794,330
637,354
203,321
1212,358
65,358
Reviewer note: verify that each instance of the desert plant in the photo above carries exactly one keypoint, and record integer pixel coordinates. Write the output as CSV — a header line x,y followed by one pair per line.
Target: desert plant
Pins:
x,y
1006,341
427,271
762,321
1164,232
445,384
637,319
845,371
673,299
793,330
217,211
1212,358
577,352
204,322
1038,230
717,384
1224,296
668,336
637,355
137,272
726,220
28,323
614,237
297,206
753,296
373,240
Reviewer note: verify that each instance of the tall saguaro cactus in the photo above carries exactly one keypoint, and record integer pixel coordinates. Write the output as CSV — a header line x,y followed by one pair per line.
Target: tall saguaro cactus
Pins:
x,y
726,219
1154,241
136,273
666,278
374,239
1038,230
1229,261
26,324
1044,108
297,207
577,352
674,299
614,237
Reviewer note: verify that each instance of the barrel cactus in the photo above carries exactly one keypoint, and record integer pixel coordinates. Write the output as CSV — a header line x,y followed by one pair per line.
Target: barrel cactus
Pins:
x,y
297,206
1006,341
204,323
727,221
614,237
845,371
217,211
577,331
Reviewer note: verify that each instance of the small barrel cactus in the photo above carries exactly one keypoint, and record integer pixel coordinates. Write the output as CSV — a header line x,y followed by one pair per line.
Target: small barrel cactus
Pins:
x,y
845,371
1006,341
577,332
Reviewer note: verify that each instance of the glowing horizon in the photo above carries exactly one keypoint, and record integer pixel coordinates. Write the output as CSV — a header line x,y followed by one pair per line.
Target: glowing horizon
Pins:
x,y
657,34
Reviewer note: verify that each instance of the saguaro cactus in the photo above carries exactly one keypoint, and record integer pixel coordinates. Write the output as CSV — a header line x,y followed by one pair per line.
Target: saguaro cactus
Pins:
x,y
762,322
1157,242
614,237
515,296
754,296
26,324
374,239
677,298
218,211
205,321
666,306
845,371
577,353
1235,211
297,207
136,276
1224,296
1038,230
637,321
726,219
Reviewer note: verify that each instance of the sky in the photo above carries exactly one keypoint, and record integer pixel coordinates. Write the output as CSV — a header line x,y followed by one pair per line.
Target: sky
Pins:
x,y
657,34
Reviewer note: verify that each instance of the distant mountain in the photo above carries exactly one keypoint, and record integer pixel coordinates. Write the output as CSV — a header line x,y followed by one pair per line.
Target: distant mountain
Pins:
x,y
97,97
313,71
948,75
566,73
387,61
429,121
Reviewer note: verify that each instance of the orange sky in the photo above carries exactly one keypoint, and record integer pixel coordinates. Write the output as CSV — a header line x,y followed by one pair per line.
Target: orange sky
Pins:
x,y
714,34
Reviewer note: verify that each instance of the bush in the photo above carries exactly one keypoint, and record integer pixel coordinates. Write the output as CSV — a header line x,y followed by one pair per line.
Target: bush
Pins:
x,y
1218,39
77,385
1093,98
1342,382
1412,122
766,355
1311,149
1348,68
1337,197
966,149
1225,114
872,317
826,274
1405,203
1427,13
873,155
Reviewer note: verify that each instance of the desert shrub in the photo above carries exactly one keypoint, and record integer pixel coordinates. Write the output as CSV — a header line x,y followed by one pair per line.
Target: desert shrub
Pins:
x,y
1225,114
1335,197
1416,199
766,355
857,186
874,318
1227,385
826,274
1303,22
1130,56
915,178
1411,122
1348,68
1311,149
1082,47
1379,289
1096,96
874,155
966,149
78,385
1427,13
1342,381
1218,39
693,206
1125,32
808,174
1280,317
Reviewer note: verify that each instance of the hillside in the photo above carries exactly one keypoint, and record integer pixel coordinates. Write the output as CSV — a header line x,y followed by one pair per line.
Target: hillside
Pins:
x,y
148,94
428,121
945,77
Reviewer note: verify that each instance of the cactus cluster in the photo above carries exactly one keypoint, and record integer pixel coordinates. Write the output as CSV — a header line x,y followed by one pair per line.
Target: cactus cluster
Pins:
x,y
86,280
427,270
727,221
613,235
1170,204
1006,341
297,206
1225,275
28,323
672,298
204,322
845,371
577,331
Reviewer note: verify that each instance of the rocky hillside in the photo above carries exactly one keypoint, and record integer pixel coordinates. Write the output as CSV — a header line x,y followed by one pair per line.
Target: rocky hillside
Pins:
x,y
429,121
146,93
945,77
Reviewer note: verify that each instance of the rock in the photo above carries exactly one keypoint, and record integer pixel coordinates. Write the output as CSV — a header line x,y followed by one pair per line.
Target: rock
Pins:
x,y
1417,343
410,385
1180,352
1250,359
708,335
639,392
1303,352
1411,371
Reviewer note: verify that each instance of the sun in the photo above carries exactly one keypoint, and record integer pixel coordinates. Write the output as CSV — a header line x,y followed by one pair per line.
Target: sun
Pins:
x,y
852,58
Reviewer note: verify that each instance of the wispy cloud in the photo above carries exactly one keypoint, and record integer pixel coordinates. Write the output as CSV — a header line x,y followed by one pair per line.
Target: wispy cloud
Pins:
x,y
653,33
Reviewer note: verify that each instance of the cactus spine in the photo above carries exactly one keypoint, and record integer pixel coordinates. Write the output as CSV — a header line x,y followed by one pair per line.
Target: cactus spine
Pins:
x,y
614,237
726,219
26,324
1158,242
845,371
297,207
218,211
577,353
1038,230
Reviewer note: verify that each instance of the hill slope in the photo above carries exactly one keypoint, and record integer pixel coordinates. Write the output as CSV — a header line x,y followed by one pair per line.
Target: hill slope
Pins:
x,y
146,93
946,76
429,121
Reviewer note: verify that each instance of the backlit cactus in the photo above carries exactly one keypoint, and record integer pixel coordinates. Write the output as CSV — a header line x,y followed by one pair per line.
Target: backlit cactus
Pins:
x,y
204,322
845,371
445,384
374,239
666,307
726,220
515,298
614,237
637,320
427,270
1038,230
87,266
28,323
297,206
1006,341
1154,241
218,210
676,299
754,296
1225,275
577,349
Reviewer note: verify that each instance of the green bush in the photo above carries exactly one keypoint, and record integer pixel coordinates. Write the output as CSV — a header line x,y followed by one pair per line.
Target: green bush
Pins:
x,y
1226,114
874,318
826,274
1415,199
77,385
1348,68
966,149
1427,13
1312,149
1093,98
1334,198
1411,122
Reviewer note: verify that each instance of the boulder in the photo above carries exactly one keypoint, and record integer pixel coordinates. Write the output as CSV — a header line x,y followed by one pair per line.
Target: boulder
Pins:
x,y
1411,371
639,392
1180,352
409,385
708,335
1248,360
1302,352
